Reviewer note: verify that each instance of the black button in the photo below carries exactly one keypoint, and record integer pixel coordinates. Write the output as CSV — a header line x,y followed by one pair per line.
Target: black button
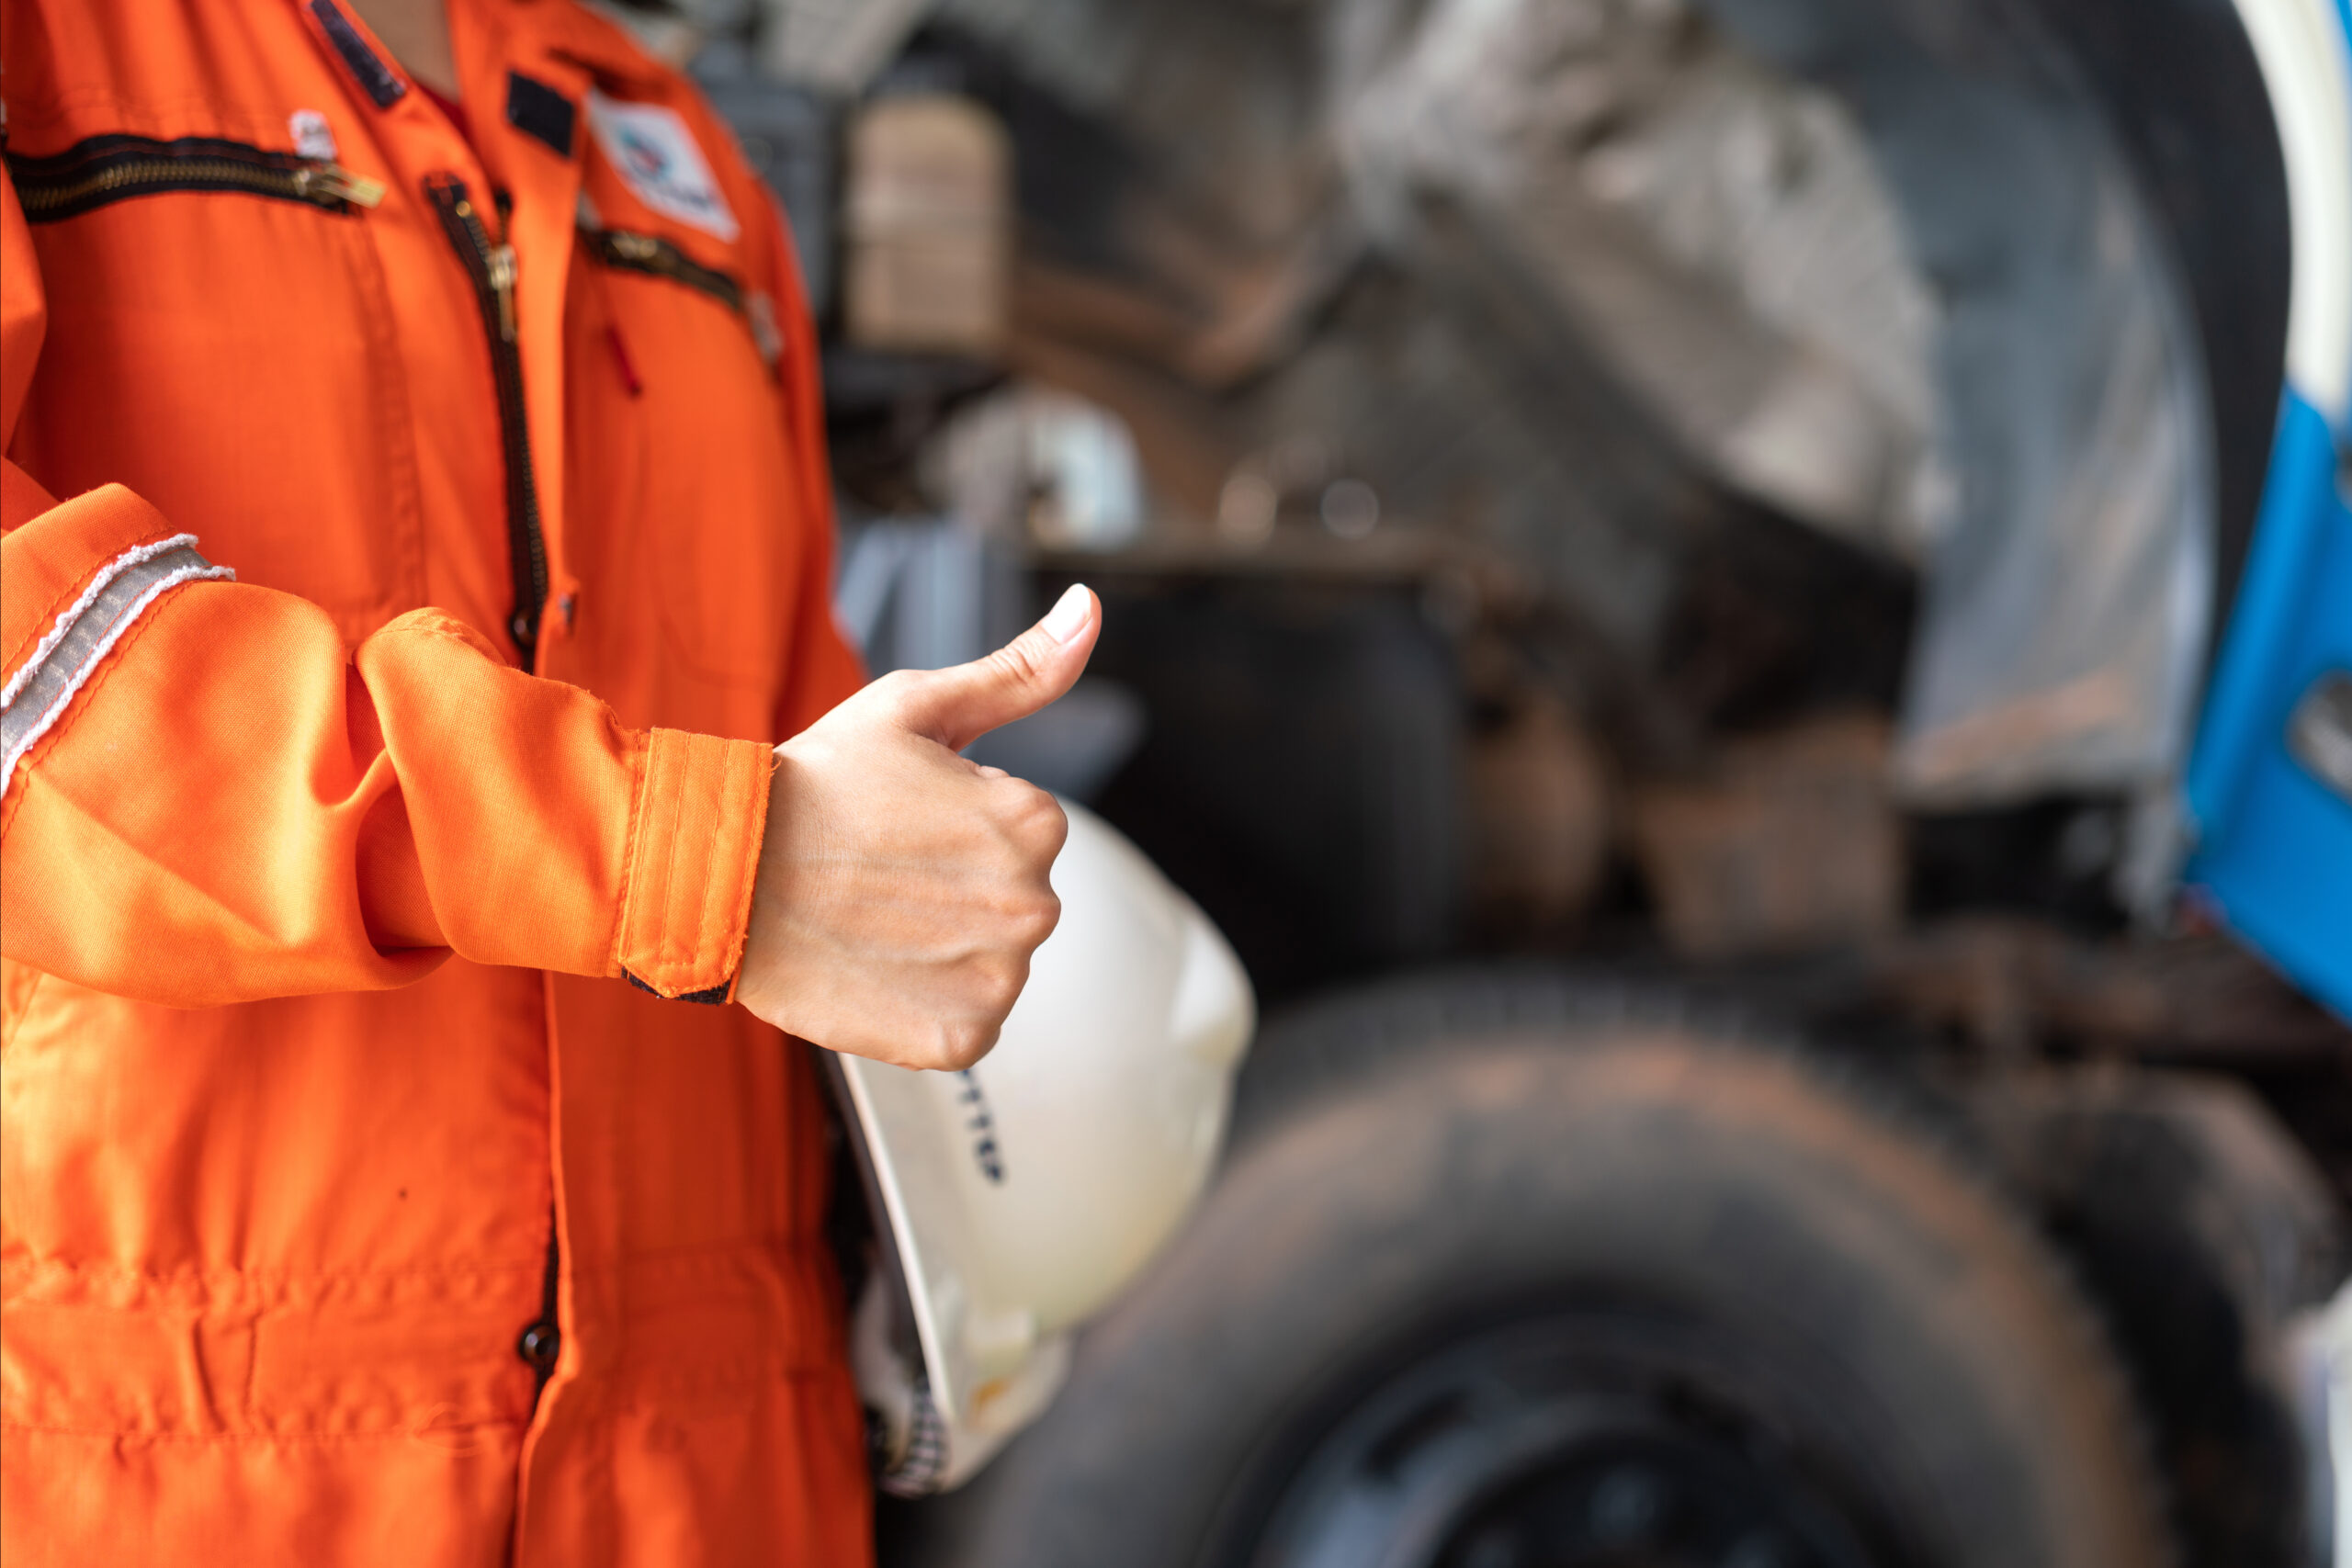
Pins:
x,y
539,1345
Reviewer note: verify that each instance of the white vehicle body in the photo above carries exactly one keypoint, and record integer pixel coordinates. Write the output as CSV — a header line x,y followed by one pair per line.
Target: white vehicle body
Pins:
x,y
2304,48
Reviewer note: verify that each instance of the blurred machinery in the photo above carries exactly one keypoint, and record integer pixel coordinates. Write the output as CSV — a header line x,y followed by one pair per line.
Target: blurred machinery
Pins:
x,y
1741,608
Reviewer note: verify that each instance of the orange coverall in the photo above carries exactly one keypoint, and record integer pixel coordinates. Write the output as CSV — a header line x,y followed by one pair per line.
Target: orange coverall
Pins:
x,y
322,890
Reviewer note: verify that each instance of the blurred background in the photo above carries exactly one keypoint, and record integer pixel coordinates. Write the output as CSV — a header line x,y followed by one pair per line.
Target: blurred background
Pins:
x,y
1676,541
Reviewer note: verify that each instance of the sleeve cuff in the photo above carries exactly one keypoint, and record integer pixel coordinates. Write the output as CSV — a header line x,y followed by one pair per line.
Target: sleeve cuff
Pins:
x,y
694,850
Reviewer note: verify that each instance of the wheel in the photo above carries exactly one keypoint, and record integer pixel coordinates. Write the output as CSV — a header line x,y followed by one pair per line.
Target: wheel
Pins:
x,y
2201,1230
1593,1295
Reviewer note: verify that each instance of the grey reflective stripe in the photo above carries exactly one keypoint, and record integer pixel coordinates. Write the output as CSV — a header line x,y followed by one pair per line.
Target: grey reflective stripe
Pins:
x,y
37,693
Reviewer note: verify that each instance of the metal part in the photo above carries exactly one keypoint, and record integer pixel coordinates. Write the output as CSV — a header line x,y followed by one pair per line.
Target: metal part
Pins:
x,y
104,169
1565,1439
490,266
2319,732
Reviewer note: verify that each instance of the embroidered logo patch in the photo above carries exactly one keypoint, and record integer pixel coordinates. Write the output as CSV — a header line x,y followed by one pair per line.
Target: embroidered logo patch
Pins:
x,y
659,163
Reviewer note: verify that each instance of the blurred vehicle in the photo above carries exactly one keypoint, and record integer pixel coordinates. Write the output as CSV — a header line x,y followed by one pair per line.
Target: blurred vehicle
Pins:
x,y
1743,611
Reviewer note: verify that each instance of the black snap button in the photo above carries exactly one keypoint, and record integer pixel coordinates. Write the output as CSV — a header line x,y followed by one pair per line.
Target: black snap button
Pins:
x,y
539,1345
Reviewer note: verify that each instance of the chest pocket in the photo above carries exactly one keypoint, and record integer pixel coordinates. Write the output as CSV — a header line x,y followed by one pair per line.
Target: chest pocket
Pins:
x,y
693,458
219,340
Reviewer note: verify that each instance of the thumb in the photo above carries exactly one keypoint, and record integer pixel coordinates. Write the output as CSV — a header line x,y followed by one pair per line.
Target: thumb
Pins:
x,y
957,705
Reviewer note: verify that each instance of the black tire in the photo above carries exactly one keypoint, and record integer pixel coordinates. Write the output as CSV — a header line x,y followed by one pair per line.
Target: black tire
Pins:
x,y
1711,1269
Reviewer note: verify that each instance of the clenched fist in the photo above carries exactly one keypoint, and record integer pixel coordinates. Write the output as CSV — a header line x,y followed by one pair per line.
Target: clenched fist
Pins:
x,y
901,888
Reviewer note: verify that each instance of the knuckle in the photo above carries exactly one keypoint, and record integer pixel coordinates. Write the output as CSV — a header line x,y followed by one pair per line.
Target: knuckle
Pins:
x,y
963,1043
1024,908
1035,821
1037,921
1002,976
1053,824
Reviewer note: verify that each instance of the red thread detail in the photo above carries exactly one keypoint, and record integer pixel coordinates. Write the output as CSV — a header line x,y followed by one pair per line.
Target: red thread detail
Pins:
x,y
620,358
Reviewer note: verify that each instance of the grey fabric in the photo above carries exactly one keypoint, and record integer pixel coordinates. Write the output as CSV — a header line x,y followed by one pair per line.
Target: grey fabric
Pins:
x,y
39,692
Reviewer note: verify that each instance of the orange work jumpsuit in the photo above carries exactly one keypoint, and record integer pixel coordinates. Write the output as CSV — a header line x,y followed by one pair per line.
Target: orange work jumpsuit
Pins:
x,y
356,908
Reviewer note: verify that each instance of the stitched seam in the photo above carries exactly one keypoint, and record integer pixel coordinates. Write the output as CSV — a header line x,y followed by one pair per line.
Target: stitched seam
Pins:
x,y
104,645
29,639
641,873
690,886
664,939
629,849
640,755
751,802
107,668
285,1440
72,612
678,924
446,629
12,804
694,924
706,893
647,923
275,1280
99,652
746,872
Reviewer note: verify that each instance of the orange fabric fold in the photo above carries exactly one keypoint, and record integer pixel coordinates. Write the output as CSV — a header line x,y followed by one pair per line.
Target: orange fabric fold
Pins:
x,y
692,854
319,888
298,830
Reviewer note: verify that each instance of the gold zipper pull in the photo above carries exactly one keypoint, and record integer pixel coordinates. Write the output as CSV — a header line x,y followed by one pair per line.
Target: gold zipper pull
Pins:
x,y
502,280
335,182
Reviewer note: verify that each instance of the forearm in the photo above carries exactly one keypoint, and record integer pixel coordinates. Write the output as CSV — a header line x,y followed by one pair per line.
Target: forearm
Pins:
x,y
227,806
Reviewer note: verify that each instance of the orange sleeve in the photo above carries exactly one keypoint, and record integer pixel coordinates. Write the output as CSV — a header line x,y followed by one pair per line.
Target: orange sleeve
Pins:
x,y
207,799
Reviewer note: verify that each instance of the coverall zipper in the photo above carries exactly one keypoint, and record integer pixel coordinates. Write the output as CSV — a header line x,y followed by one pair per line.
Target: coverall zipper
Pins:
x,y
490,266
102,170
647,254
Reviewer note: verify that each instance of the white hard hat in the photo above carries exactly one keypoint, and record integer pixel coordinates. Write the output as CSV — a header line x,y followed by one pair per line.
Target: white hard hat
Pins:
x,y
1018,1196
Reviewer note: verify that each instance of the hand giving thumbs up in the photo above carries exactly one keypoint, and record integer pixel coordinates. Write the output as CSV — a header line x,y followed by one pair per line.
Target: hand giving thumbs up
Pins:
x,y
902,887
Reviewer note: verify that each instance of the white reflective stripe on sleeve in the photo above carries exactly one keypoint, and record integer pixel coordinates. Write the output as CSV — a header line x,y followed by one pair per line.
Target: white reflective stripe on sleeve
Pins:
x,y
37,695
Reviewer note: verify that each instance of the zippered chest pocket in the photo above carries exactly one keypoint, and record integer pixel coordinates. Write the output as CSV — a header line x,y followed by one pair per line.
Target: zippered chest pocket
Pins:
x,y
219,339
102,170
684,473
